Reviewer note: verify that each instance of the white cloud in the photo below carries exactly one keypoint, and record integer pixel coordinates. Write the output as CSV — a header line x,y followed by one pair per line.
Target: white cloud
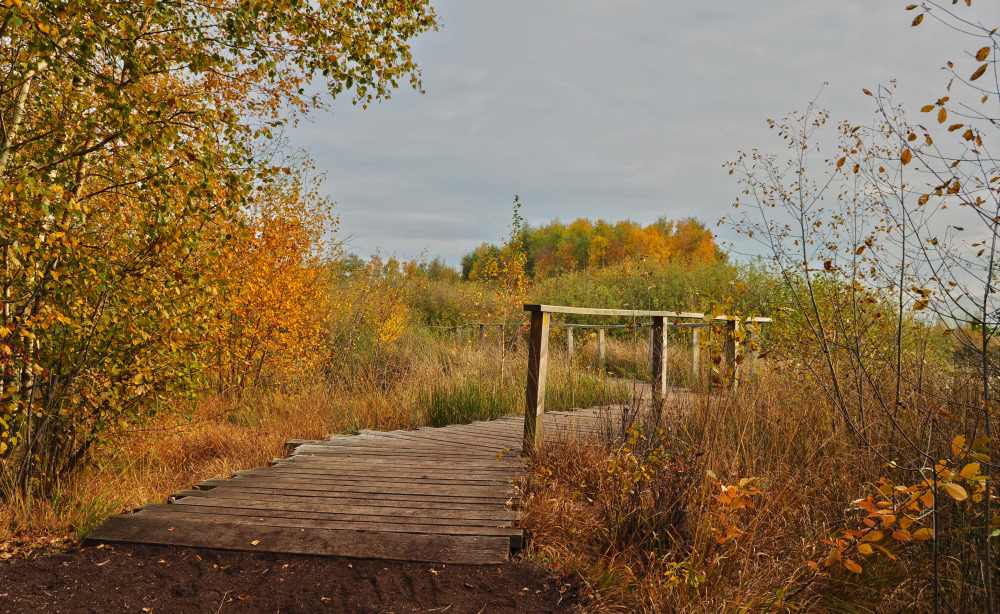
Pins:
x,y
600,109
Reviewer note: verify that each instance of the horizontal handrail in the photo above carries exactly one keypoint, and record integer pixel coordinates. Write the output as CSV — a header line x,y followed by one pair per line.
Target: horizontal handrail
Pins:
x,y
636,313
538,336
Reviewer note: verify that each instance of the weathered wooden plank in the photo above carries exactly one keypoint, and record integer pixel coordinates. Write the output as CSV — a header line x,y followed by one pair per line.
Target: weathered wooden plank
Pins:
x,y
354,525
335,516
401,461
333,482
300,489
362,507
397,452
460,439
334,498
420,443
442,436
346,469
330,542
336,468
321,470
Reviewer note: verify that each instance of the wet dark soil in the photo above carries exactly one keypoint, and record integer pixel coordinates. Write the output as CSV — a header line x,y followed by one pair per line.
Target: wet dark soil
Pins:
x,y
153,579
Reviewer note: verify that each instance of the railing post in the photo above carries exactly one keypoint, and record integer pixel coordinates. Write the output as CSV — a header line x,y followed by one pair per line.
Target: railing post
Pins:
x,y
732,347
482,333
600,348
569,343
649,359
659,371
695,356
534,407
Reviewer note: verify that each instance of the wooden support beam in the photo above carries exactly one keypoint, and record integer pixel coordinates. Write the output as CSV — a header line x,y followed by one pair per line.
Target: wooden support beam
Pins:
x,y
569,343
731,351
482,333
659,371
534,407
649,359
695,357
600,348
754,350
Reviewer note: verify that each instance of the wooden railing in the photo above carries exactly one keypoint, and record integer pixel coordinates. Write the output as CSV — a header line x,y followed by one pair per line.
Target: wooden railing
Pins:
x,y
538,350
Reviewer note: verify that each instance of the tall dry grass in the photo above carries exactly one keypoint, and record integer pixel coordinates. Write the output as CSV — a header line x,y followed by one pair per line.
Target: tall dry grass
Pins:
x,y
781,448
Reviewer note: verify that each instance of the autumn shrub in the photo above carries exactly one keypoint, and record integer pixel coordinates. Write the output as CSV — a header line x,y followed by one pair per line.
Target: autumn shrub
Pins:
x,y
136,137
891,321
273,307
719,509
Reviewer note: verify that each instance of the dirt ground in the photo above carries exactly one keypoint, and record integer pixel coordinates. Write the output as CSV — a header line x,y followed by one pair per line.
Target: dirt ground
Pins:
x,y
151,579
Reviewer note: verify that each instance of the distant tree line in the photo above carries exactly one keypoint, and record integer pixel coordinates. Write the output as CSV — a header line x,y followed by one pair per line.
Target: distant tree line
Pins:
x,y
557,248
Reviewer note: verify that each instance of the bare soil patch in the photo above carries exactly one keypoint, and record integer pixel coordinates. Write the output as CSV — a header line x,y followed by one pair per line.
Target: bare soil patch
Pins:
x,y
154,579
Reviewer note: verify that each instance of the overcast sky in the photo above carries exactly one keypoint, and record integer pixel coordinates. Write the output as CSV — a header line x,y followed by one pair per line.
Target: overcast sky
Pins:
x,y
600,109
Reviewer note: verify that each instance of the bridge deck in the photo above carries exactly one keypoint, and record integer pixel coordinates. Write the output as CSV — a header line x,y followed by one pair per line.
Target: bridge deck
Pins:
x,y
442,495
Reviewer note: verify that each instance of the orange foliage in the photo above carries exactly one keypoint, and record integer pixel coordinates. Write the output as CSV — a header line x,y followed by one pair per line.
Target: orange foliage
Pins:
x,y
274,305
557,248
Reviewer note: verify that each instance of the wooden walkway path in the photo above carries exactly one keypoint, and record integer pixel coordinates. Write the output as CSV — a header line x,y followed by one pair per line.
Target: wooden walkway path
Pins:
x,y
442,495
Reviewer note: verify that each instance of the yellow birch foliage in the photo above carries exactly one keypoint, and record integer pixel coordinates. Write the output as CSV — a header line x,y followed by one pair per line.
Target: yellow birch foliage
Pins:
x,y
274,307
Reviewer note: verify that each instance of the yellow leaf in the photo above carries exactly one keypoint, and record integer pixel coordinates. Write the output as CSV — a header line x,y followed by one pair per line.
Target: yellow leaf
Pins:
x,y
956,491
924,534
867,92
958,445
927,499
852,566
927,108
979,73
942,115
903,536
918,19
255,542
983,53
970,470
872,536
920,305
841,161
906,156
833,558
865,549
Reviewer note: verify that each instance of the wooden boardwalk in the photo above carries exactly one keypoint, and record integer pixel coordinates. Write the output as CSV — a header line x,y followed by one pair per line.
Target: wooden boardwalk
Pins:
x,y
442,495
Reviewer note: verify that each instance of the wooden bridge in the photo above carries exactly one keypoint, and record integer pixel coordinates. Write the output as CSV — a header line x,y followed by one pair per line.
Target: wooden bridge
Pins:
x,y
443,495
